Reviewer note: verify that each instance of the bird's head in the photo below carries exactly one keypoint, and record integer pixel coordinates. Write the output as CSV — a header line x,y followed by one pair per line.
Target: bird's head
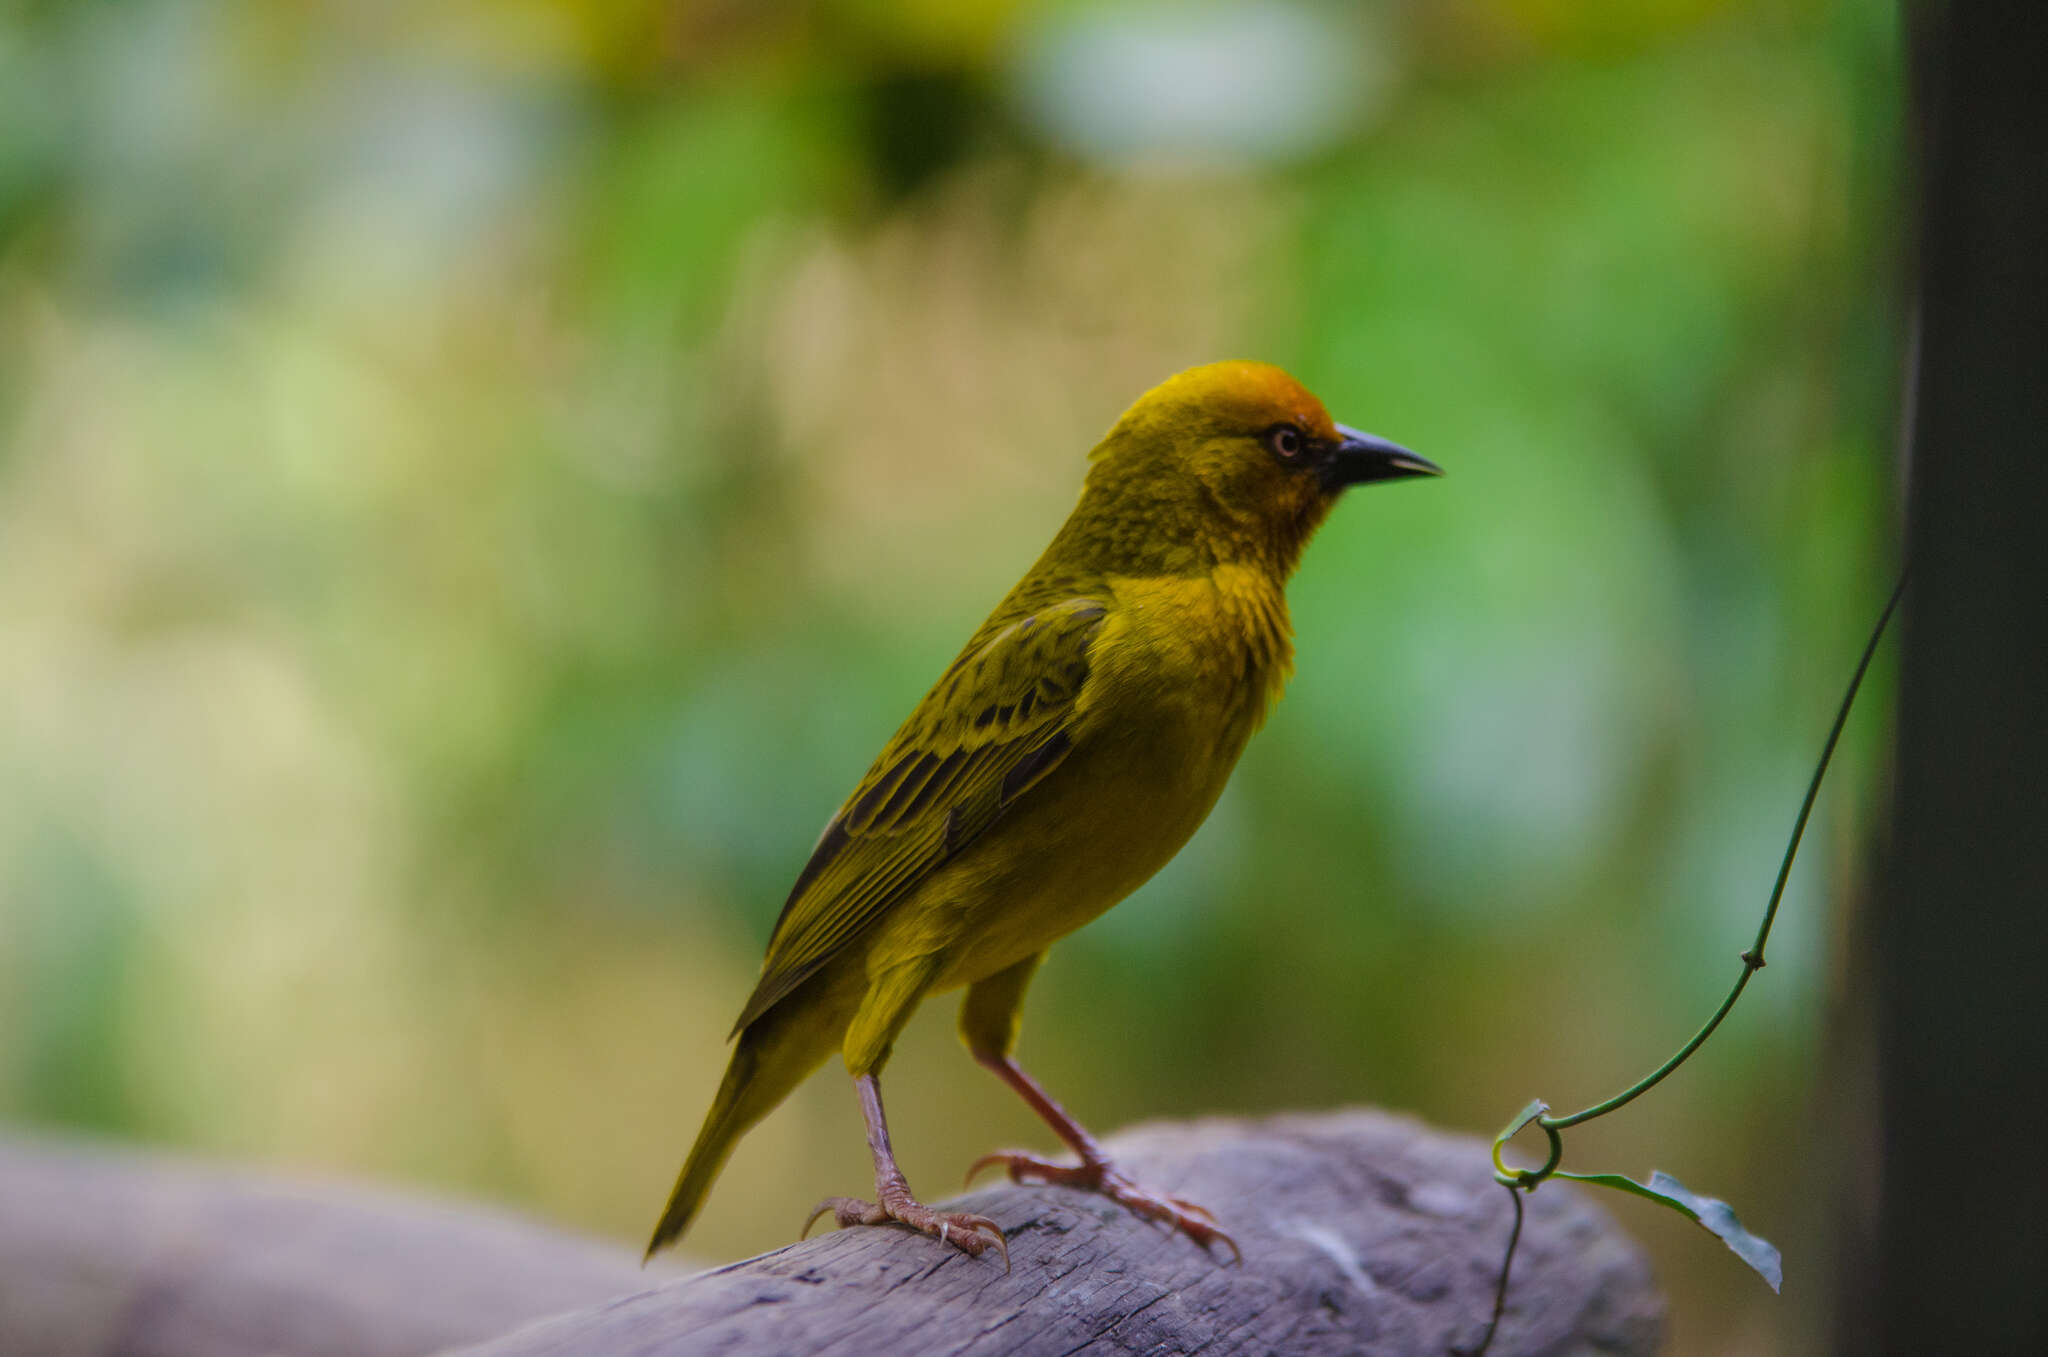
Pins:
x,y
1234,460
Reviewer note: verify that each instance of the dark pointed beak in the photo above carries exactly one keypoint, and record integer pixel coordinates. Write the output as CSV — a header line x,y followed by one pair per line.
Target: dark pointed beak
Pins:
x,y
1362,457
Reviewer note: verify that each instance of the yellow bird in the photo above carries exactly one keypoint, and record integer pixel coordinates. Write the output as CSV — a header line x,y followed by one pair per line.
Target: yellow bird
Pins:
x,y
1062,759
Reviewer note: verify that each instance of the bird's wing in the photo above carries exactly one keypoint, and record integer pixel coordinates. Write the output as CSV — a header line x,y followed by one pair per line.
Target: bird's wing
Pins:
x,y
990,729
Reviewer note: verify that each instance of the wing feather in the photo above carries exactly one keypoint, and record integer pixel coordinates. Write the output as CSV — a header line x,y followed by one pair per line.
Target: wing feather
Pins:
x,y
994,726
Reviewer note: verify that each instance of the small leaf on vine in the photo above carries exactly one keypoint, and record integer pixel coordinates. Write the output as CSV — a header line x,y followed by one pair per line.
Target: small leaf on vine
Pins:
x,y
1710,1213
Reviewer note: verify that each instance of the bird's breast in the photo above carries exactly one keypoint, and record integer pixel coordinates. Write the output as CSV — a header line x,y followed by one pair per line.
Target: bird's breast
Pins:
x,y
1209,651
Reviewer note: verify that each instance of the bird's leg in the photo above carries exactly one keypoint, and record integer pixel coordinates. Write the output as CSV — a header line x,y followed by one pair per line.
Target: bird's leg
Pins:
x,y
893,1201
1094,1173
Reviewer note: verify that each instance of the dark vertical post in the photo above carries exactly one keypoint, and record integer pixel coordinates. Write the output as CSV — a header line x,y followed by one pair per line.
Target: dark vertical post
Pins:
x,y
1962,935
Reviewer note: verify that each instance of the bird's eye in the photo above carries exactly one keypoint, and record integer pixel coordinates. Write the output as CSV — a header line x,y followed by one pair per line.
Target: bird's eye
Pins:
x,y
1286,442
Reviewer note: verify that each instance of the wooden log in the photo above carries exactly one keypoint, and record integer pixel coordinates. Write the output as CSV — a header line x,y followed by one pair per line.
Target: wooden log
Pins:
x,y
106,1252
1361,1232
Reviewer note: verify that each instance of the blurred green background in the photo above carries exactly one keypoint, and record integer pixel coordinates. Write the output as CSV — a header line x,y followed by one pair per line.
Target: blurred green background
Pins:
x,y
478,482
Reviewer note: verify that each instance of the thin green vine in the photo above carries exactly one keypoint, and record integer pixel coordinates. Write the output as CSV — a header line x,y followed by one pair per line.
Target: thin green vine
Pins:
x,y
1667,1191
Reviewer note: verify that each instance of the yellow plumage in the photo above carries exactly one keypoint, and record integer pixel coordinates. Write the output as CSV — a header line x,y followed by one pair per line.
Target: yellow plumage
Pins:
x,y
1079,738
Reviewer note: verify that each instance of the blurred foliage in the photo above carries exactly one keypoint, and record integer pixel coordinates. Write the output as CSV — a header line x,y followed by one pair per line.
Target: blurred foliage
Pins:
x,y
478,483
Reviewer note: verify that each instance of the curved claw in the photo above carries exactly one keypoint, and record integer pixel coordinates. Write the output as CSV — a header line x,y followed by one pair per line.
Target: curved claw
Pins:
x,y
1236,1254
1009,1159
838,1206
979,1223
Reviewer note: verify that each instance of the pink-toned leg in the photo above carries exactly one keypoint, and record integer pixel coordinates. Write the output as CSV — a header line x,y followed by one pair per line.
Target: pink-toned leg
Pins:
x,y
893,1200
1095,1173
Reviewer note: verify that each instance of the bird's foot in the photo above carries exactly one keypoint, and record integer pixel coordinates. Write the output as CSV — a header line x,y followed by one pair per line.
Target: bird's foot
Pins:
x,y
1099,1175
961,1229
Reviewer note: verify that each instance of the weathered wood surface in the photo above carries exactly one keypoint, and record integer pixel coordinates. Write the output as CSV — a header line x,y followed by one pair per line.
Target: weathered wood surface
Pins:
x,y
1362,1233
106,1253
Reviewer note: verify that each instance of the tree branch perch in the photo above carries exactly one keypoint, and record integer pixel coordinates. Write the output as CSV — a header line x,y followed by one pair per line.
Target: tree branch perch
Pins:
x,y
1362,1232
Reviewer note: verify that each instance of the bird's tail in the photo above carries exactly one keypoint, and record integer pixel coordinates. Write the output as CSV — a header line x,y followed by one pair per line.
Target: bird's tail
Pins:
x,y
765,1066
